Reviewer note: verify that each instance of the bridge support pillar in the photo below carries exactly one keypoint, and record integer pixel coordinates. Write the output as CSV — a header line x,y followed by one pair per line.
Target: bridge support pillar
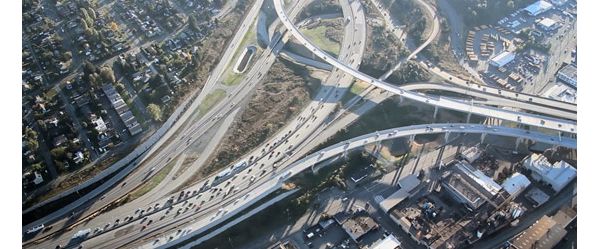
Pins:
x,y
560,136
517,142
435,112
482,137
469,117
411,139
446,136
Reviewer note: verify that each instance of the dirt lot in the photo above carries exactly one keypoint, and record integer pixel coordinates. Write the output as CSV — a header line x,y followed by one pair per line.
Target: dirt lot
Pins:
x,y
382,49
285,90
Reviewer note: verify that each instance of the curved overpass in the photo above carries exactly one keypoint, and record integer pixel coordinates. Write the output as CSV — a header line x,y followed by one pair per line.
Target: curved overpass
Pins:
x,y
493,98
256,192
523,118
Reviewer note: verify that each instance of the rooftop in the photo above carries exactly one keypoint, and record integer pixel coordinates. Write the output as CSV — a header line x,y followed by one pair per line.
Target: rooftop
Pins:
x,y
470,186
516,184
503,58
390,242
407,185
538,7
562,92
359,225
547,22
544,234
558,174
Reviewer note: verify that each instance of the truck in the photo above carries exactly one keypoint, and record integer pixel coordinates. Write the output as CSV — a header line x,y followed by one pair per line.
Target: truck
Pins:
x,y
82,234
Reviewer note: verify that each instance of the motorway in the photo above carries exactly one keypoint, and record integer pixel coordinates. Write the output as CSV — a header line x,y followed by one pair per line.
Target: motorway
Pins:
x,y
253,193
196,228
492,98
294,133
259,70
463,106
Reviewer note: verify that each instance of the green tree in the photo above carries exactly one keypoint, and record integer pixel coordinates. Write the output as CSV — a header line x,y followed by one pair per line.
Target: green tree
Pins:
x,y
510,4
38,167
30,133
58,152
67,56
120,87
91,13
194,23
155,112
32,144
107,75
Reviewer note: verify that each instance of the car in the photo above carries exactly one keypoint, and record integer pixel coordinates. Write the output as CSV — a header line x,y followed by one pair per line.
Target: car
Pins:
x,y
35,228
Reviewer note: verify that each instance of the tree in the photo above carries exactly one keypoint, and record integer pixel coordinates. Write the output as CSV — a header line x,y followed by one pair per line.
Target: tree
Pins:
x,y
120,87
89,68
30,133
510,4
32,144
37,167
58,152
107,75
155,112
67,56
194,23
114,26
91,12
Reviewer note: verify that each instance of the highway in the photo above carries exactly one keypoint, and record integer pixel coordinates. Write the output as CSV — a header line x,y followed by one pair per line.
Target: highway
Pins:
x,y
492,97
314,113
165,154
253,193
279,148
463,106
254,75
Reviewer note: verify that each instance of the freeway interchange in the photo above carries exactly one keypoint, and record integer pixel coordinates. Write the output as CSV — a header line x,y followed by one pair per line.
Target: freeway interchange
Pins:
x,y
163,218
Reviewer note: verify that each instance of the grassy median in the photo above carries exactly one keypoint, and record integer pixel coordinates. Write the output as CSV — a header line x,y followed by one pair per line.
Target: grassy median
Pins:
x,y
208,102
153,182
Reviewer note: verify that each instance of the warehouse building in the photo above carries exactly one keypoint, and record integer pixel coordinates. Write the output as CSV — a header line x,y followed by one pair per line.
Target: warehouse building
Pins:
x,y
516,184
547,24
502,59
538,7
470,186
557,175
568,74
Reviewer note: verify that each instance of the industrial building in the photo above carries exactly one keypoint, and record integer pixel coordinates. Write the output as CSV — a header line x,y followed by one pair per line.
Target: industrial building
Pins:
x,y
471,154
538,7
546,232
470,186
562,92
547,24
568,74
502,59
390,242
557,175
516,184
357,225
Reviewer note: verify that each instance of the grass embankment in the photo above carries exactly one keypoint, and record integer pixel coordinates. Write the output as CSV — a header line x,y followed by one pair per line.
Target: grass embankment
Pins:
x,y
208,102
358,86
153,182
318,36
230,78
